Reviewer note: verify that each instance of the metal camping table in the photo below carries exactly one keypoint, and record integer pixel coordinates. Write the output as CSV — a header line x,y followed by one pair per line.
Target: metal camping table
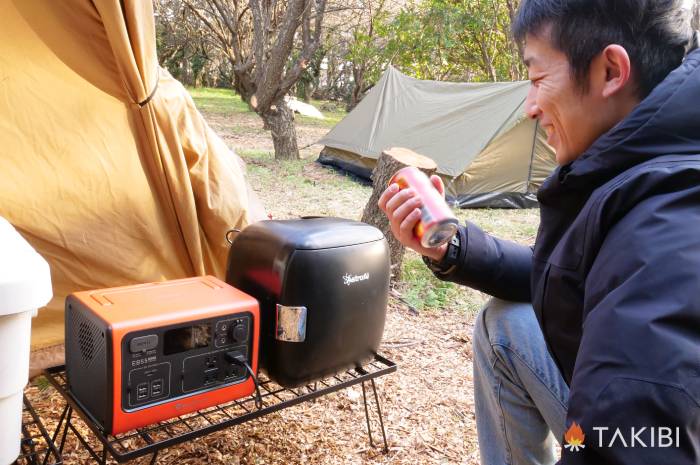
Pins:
x,y
36,446
152,439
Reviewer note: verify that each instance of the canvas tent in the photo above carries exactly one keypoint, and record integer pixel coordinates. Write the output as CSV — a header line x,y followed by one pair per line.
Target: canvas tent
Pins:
x,y
107,168
487,152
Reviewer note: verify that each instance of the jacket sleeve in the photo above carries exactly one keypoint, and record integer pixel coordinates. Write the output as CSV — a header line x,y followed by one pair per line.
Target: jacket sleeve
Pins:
x,y
497,267
638,365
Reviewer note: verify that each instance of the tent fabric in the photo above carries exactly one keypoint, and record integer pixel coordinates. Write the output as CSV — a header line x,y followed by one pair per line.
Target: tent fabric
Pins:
x,y
348,161
108,169
487,152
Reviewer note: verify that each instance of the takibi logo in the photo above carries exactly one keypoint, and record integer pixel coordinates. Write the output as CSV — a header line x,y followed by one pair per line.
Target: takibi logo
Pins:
x,y
574,438
654,436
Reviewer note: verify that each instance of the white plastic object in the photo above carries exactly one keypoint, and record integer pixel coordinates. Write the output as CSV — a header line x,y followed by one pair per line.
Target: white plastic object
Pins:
x,y
25,286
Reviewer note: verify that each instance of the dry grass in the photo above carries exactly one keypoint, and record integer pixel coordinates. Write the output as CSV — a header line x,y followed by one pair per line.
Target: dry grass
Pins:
x,y
428,403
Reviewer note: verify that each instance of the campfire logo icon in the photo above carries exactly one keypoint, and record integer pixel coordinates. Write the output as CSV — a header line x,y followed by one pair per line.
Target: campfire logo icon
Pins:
x,y
574,438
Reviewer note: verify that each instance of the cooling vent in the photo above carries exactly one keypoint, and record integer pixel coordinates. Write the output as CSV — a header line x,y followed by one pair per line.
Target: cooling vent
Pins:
x,y
86,341
86,367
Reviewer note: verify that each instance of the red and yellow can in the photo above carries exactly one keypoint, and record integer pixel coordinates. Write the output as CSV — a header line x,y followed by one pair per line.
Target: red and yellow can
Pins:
x,y
438,224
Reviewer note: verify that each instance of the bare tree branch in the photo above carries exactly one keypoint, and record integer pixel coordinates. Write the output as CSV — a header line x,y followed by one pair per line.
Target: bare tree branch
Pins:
x,y
267,87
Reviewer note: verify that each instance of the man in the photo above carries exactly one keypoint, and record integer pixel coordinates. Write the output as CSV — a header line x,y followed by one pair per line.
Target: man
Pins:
x,y
614,276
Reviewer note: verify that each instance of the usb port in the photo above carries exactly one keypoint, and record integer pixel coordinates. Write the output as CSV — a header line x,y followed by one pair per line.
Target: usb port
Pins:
x,y
156,387
211,376
142,391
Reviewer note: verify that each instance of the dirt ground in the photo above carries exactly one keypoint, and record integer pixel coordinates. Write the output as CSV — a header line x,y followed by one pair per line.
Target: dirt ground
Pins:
x,y
428,403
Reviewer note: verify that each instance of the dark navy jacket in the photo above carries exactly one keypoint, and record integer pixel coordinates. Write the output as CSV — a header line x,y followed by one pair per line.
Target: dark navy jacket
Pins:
x,y
614,277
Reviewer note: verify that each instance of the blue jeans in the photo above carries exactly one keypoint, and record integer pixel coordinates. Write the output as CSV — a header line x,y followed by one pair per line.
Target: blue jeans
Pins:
x,y
520,395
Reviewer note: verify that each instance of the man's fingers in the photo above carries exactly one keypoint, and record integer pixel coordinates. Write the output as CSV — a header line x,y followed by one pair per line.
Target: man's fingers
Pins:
x,y
405,209
388,193
398,199
437,182
407,225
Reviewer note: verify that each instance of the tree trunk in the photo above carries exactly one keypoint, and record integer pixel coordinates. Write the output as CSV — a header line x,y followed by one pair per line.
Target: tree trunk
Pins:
x,y
487,62
311,88
389,162
358,84
280,120
303,91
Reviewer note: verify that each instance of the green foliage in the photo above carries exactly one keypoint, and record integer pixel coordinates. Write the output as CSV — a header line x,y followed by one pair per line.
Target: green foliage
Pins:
x,y
283,175
422,290
367,47
226,101
219,101
42,384
446,40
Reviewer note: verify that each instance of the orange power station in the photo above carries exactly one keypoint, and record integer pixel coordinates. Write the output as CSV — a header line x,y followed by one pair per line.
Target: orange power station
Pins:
x,y
136,355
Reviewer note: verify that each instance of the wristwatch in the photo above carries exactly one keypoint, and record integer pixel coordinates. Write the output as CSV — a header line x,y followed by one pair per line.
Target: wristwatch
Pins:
x,y
449,261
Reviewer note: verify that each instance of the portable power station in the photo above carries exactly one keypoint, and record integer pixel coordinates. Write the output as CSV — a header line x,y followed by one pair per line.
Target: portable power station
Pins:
x,y
136,355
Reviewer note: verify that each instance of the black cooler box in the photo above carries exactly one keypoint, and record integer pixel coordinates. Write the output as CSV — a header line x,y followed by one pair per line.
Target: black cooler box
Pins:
x,y
322,285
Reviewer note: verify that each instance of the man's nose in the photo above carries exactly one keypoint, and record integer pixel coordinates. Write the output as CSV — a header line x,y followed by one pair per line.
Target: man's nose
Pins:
x,y
532,110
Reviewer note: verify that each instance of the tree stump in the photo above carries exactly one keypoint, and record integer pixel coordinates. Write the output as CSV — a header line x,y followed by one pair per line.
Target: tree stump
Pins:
x,y
389,162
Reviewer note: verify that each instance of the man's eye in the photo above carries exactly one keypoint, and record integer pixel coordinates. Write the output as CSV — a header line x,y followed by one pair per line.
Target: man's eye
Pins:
x,y
537,83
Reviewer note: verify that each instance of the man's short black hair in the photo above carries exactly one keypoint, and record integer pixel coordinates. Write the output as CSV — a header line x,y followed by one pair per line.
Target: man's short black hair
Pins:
x,y
654,33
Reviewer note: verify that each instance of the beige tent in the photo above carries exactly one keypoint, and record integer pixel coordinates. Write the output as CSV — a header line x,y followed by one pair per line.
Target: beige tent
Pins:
x,y
107,168
487,152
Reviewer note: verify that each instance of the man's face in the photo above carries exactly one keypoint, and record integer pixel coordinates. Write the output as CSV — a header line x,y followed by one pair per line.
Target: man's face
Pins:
x,y
571,118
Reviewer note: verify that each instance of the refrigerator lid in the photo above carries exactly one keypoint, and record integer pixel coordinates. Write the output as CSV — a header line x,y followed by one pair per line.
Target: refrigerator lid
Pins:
x,y
25,278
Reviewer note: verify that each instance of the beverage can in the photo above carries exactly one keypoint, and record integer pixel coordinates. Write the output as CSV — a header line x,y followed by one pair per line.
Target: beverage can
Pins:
x,y
437,224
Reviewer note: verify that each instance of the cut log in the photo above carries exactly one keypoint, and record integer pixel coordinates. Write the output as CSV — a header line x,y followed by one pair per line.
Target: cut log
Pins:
x,y
389,162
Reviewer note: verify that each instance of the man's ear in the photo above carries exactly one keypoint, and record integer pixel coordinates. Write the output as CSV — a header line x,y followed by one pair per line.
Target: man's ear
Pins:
x,y
618,69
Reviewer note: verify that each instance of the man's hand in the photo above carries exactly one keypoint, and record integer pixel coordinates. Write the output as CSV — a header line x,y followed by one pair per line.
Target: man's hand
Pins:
x,y
402,208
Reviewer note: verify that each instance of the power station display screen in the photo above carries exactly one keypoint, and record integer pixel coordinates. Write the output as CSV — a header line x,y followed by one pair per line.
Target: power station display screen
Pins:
x,y
187,338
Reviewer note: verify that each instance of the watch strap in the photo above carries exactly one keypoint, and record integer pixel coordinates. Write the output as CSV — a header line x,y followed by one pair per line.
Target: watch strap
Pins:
x,y
449,261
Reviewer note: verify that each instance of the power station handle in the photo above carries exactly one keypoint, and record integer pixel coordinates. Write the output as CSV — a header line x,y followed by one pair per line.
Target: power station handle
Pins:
x,y
291,323
228,235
